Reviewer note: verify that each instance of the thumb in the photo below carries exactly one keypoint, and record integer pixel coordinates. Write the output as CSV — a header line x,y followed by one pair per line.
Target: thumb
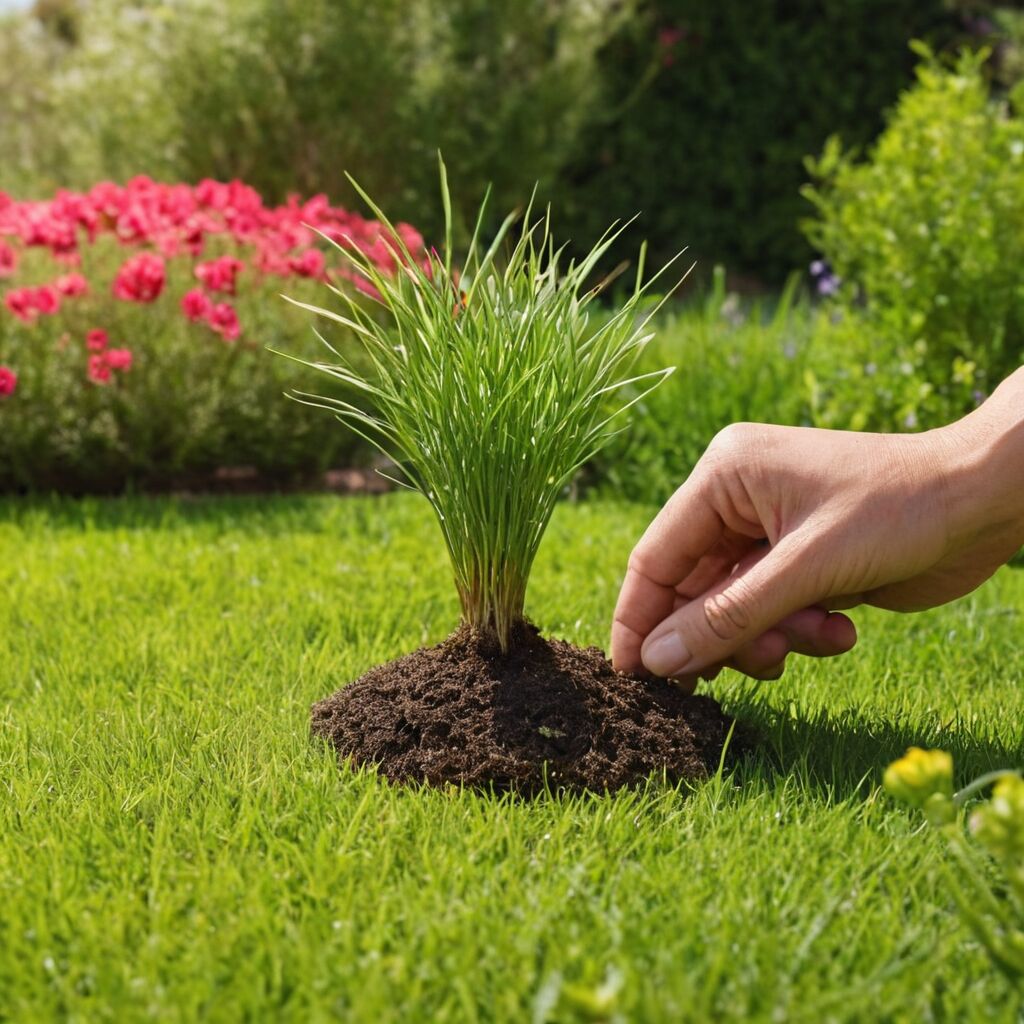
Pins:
x,y
710,628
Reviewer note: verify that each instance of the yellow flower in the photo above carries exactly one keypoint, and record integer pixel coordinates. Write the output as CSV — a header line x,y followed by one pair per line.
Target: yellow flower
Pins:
x,y
921,777
999,824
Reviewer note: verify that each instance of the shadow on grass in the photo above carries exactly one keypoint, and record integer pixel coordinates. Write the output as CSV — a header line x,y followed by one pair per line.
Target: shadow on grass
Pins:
x,y
842,754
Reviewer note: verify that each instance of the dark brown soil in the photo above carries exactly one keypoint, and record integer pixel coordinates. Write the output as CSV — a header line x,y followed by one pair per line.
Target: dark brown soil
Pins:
x,y
547,713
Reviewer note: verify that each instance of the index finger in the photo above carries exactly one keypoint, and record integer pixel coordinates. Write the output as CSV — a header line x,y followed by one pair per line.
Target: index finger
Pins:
x,y
681,533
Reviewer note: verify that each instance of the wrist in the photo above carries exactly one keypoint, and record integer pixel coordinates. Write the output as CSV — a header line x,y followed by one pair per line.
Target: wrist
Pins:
x,y
982,456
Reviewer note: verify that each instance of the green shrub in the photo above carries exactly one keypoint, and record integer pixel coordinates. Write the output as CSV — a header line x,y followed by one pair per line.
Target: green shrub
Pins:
x,y
134,324
999,25
189,405
927,235
713,151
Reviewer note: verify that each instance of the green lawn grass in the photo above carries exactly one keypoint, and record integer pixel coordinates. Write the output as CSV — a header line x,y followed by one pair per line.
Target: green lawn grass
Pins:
x,y
174,847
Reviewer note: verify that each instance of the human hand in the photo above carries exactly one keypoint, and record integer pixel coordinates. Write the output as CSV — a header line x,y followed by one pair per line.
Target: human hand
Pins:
x,y
777,527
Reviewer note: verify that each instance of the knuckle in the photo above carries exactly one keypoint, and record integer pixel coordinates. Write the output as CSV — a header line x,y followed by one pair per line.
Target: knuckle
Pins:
x,y
734,440
641,562
727,614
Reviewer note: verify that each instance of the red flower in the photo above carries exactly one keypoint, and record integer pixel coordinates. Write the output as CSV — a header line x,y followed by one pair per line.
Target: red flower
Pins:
x,y
21,302
365,286
8,382
411,238
8,259
311,263
196,305
119,359
219,275
99,369
96,340
71,285
141,278
224,320
46,299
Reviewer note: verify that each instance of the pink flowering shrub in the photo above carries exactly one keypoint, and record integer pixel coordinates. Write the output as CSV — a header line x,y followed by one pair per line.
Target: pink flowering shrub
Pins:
x,y
134,322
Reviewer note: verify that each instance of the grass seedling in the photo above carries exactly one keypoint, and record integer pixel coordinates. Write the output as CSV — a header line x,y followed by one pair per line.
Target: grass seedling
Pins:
x,y
489,386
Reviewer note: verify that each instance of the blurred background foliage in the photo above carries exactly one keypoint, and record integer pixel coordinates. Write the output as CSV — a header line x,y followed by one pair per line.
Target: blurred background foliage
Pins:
x,y
697,114
763,136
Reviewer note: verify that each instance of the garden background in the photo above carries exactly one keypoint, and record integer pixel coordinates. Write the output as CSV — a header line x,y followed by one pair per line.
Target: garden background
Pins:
x,y
765,139
848,176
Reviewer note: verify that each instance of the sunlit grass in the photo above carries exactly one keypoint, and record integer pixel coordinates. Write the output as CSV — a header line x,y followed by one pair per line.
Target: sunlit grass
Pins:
x,y
174,847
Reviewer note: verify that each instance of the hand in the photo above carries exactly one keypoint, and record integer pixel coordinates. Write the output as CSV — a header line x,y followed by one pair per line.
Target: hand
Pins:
x,y
777,527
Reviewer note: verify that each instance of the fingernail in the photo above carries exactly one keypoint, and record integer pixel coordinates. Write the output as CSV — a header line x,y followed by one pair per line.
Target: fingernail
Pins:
x,y
666,654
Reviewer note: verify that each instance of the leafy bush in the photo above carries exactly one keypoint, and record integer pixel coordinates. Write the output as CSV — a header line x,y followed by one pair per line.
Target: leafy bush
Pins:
x,y
133,330
1000,26
927,235
713,150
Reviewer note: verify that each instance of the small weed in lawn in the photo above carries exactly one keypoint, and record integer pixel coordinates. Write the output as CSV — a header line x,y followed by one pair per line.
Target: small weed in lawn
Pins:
x,y
993,911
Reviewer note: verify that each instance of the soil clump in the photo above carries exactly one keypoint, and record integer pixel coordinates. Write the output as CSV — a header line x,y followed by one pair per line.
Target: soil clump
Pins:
x,y
547,714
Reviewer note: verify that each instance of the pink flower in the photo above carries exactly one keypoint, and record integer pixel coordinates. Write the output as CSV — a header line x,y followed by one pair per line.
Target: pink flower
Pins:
x,y
8,259
311,263
196,305
410,237
224,320
21,302
96,340
219,275
119,359
71,285
98,369
8,382
141,278
46,299
366,287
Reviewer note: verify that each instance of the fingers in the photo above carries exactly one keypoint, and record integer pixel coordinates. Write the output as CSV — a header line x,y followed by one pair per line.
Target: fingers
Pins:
x,y
814,632
764,657
818,633
733,613
685,529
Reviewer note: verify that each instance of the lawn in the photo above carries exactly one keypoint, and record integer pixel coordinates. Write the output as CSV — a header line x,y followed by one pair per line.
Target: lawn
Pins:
x,y
174,847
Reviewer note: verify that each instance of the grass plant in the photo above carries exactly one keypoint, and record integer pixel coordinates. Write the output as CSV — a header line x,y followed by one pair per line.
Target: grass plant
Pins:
x,y
490,385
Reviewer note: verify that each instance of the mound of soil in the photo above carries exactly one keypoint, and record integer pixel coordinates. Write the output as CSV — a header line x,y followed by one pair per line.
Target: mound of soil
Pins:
x,y
463,713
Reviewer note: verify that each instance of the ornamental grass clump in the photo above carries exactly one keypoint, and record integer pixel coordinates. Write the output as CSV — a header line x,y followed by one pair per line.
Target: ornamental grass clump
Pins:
x,y
489,384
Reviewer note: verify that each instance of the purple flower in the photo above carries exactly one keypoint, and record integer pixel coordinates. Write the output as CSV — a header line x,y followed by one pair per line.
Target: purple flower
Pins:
x,y
828,284
818,267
